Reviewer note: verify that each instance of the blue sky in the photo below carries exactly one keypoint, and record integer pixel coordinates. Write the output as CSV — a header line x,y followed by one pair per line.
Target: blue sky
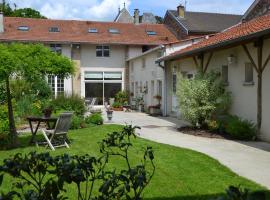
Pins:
x,y
107,9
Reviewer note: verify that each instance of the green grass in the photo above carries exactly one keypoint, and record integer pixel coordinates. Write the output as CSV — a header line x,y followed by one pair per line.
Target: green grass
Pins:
x,y
180,173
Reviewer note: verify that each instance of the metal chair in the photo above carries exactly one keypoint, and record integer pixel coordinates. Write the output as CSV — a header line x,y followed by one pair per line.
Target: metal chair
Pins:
x,y
58,137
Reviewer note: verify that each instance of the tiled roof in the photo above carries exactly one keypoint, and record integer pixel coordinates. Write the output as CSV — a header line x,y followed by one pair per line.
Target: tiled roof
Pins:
x,y
207,22
77,32
246,30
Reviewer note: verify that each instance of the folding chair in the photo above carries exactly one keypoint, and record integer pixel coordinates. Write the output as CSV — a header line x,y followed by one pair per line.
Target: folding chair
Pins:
x,y
58,137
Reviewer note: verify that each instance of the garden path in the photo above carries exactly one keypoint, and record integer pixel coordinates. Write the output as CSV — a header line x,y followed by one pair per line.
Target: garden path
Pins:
x,y
248,159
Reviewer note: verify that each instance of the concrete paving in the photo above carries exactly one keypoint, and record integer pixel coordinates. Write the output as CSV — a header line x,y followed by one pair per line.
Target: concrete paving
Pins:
x,y
248,159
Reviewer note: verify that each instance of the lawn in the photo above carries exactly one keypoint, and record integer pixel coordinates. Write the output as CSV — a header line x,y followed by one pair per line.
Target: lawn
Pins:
x,y
180,174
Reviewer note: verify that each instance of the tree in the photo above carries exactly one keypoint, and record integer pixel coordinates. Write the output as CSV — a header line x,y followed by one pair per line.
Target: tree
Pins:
x,y
22,12
159,19
27,12
30,62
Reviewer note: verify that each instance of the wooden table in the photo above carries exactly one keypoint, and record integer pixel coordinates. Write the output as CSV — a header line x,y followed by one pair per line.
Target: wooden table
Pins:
x,y
50,122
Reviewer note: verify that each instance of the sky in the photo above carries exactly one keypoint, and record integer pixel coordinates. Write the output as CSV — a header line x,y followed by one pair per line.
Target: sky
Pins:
x,y
106,10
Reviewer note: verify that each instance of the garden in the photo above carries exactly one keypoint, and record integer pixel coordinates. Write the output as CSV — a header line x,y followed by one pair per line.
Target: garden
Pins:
x,y
205,103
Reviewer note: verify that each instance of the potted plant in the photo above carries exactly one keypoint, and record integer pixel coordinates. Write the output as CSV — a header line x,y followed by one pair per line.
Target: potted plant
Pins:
x,y
117,106
154,110
47,109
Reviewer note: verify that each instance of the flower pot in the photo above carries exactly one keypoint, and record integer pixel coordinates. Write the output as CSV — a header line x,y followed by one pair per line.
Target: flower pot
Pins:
x,y
47,112
109,115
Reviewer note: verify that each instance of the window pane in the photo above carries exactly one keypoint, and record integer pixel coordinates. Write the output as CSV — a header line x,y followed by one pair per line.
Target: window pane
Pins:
x,y
51,82
94,90
224,74
248,72
99,53
111,89
60,86
174,83
93,76
106,53
112,76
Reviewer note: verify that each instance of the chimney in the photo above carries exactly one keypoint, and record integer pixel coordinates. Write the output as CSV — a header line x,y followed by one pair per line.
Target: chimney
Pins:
x,y
1,22
181,11
136,16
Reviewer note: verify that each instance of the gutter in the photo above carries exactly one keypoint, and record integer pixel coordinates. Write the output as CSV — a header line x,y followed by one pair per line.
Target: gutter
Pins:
x,y
232,42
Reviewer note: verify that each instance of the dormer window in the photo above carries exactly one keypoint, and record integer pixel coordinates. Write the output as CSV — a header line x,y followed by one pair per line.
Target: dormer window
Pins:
x,y
23,28
151,33
92,30
114,31
54,29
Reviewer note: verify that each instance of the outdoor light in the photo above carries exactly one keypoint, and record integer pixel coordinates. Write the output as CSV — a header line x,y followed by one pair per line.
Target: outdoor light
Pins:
x,y
231,59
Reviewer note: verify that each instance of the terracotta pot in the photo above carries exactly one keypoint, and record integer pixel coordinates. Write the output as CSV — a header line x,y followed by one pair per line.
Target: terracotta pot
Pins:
x,y
118,109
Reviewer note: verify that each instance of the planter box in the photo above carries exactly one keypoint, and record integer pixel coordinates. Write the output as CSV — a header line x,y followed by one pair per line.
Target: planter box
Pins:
x,y
118,109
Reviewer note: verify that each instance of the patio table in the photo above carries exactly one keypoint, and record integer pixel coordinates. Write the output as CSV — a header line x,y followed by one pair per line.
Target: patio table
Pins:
x,y
49,121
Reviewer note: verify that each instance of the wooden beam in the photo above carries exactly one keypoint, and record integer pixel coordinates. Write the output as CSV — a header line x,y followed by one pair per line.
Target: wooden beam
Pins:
x,y
266,62
202,62
208,62
195,61
250,57
260,54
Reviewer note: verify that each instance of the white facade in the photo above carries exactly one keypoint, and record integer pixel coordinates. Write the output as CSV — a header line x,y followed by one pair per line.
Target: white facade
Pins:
x,y
146,77
244,94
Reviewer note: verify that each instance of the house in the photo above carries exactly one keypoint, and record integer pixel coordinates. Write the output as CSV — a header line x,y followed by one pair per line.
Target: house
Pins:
x,y
146,78
99,49
124,16
185,24
241,54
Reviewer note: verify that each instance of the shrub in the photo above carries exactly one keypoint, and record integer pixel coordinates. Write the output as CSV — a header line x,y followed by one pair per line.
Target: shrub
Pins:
x,y
240,129
77,122
122,97
70,103
213,125
4,141
117,105
95,118
202,98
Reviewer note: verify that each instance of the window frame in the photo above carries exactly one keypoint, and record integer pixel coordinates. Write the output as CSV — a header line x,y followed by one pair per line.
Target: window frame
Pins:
x,y
104,51
249,78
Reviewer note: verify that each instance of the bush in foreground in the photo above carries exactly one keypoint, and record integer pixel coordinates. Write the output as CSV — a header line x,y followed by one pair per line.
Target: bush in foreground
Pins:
x,y
41,176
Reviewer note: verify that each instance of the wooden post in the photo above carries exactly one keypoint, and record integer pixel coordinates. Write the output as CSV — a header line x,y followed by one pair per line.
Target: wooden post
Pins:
x,y
259,89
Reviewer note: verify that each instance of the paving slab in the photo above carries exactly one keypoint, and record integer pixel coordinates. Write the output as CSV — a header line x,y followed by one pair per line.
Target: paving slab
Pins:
x,y
248,159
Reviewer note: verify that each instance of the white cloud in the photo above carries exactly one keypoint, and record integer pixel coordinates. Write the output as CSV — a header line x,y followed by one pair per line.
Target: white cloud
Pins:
x,y
75,9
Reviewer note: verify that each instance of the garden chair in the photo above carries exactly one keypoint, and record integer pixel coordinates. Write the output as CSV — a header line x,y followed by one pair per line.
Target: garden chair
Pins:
x,y
58,136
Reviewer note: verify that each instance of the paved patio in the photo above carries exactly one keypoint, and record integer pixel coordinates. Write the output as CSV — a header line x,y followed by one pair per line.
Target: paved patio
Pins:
x,y
248,159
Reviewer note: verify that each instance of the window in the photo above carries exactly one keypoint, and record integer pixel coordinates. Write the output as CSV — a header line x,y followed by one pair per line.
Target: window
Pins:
x,y
131,66
132,88
57,48
248,73
114,31
146,87
159,89
102,85
92,30
54,29
23,28
60,86
224,74
174,81
143,63
151,33
57,85
102,51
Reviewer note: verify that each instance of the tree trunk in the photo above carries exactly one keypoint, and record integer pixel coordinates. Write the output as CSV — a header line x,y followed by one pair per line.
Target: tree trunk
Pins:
x,y
12,129
259,103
